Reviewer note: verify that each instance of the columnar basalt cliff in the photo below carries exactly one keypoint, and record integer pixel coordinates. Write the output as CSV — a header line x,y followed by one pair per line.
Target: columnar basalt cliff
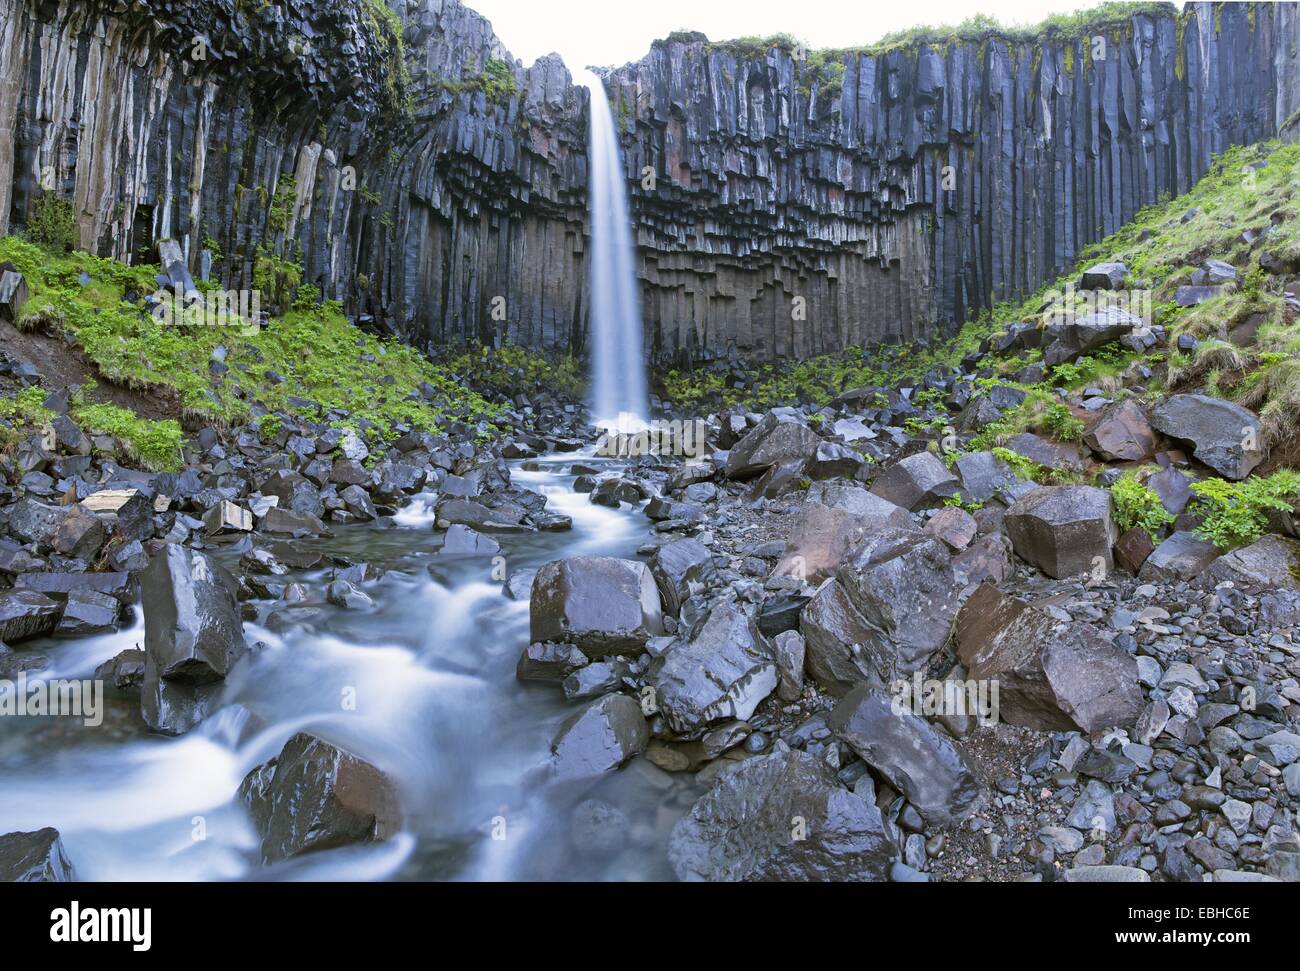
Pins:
x,y
786,204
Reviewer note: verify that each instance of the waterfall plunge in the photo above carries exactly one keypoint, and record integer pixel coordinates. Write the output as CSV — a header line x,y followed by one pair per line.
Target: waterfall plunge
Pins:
x,y
619,399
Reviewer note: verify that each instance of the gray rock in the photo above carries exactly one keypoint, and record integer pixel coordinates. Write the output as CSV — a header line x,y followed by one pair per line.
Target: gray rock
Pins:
x,y
830,523
918,481
681,569
776,440
1270,563
36,857
601,604
1063,530
599,738
1183,556
915,759
26,613
1223,435
316,796
1122,434
781,817
723,671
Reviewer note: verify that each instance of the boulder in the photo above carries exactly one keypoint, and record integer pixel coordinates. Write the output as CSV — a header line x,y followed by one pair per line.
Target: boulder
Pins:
x,y
1132,549
36,857
35,522
1047,453
681,569
918,761
80,534
125,513
86,613
316,796
1223,435
599,738
465,541
723,671
1269,563
13,293
1183,556
26,613
192,637
776,440
781,817
227,517
1122,434
826,531
789,651
983,475
1104,276
1063,530
841,648
602,604
955,526
903,586
1052,674
918,481
1173,487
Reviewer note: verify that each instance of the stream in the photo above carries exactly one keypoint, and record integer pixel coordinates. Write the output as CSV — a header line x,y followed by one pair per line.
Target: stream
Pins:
x,y
422,685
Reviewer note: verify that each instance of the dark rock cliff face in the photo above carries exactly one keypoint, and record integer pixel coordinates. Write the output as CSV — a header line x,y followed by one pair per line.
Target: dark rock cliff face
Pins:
x,y
787,212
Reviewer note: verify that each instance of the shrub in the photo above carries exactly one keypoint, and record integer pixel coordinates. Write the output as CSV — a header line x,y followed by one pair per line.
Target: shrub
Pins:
x,y
52,223
1236,513
1136,506
156,444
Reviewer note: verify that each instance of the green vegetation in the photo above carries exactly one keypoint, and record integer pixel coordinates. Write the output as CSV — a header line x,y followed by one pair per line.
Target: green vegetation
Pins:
x,y
312,355
1236,513
386,26
509,369
496,81
1136,506
154,444
1027,470
52,223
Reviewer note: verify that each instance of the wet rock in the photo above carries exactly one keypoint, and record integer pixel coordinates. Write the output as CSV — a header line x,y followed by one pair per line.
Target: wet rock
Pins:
x,y
983,475
461,540
293,492
955,526
841,647
36,857
1132,549
1223,435
723,671
125,513
286,522
915,759
86,613
549,662
742,829
25,614
788,650
1063,530
316,796
1122,434
192,638
681,569
902,584
988,558
918,481
35,522
227,517
80,534
124,671
599,738
345,594
601,604
1183,556
1052,674
776,440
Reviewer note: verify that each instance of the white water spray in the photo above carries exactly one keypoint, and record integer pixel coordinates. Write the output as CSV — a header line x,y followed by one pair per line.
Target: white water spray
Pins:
x,y
619,399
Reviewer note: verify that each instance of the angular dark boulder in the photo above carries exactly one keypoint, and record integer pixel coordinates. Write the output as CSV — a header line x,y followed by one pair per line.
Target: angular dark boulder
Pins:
x,y
1122,434
776,440
36,857
1063,530
1052,674
1183,556
918,761
826,530
599,738
724,671
602,604
781,817
193,636
317,796
918,481
1223,435
26,613
680,569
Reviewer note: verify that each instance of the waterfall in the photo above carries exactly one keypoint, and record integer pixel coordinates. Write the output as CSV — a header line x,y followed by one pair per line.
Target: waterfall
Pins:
x,y
618,400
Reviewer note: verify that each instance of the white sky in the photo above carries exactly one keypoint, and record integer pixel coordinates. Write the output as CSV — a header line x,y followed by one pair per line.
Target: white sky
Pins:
x,y
613,32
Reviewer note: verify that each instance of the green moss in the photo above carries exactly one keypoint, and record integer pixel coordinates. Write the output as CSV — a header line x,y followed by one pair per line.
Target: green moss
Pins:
x,y
286,194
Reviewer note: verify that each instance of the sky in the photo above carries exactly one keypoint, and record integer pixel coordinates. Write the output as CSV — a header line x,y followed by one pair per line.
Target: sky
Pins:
x,y
613,32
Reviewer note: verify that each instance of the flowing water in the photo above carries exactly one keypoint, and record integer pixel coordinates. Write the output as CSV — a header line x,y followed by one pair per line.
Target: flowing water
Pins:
x,y
437,706
619,398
